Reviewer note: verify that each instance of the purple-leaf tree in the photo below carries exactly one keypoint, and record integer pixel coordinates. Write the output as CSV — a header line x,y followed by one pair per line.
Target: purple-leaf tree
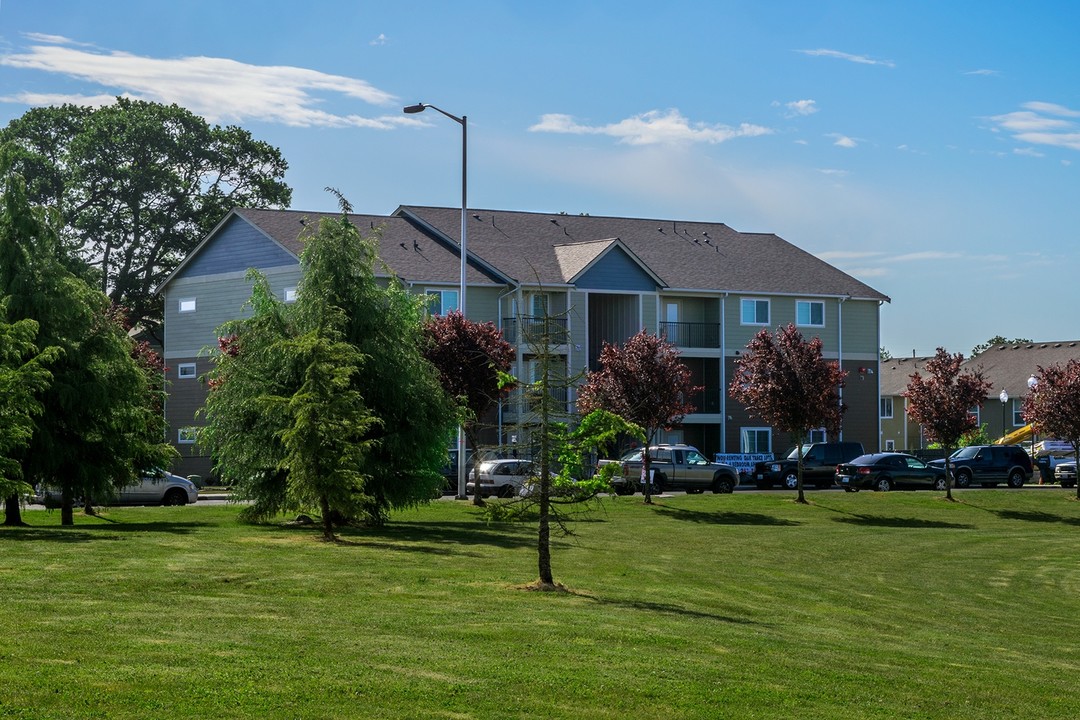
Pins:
x,y
1053,405
942,401
473,360
784,380
643,382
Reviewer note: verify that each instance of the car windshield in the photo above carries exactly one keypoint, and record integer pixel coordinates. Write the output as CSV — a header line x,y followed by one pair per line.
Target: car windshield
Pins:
x,y
631,455
965,453
793,453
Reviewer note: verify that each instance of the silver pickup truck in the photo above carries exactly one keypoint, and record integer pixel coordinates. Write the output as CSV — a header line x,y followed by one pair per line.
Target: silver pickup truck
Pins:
x,y
676,467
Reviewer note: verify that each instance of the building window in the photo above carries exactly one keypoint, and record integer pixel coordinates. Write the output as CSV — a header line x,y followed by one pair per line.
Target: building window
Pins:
x,y
890,446
185,371
755,440
810,313
974,412
754,312
1017,415
186,435
441,302
289,294
187,305
886,407
817,435
539,305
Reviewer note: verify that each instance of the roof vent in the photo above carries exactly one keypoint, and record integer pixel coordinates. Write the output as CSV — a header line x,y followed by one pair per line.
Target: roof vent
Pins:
x,y
476,215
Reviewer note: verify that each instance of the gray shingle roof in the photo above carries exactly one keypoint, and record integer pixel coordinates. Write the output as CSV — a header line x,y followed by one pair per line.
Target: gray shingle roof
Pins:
x,y
684,255
413,255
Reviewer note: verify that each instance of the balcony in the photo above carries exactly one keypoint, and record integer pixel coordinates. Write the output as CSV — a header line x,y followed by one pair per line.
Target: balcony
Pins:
x,y
691,335
706,401
532,330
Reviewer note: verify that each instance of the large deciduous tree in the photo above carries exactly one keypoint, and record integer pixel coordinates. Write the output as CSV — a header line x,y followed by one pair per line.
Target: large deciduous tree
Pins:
x,y
784,380
942,402
328,404
1053,405
473,360
138,184
98,425
644,382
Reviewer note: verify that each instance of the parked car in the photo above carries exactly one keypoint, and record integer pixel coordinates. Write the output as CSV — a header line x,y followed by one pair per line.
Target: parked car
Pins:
x,y
1065,473
156,487
505,477
675,467
887,471
819,465
989,465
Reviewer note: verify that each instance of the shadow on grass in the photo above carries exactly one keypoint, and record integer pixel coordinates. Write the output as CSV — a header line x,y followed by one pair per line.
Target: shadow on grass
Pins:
x,y
440,538
87,533
667,609
900,522
1037,516
723,517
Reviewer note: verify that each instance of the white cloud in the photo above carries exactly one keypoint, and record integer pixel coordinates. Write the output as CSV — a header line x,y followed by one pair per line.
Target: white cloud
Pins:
x,y
867,272
1030,152
843,140
802,107
1040,123
219,89
926,255
832,171
983,71
380,40
651,128
861,59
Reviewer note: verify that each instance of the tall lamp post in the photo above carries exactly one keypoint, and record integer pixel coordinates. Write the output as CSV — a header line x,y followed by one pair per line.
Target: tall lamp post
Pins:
x,y
463,122
1004,398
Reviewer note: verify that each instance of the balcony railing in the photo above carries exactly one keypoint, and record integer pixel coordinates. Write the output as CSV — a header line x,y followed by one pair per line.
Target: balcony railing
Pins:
x,y
532,330
691,335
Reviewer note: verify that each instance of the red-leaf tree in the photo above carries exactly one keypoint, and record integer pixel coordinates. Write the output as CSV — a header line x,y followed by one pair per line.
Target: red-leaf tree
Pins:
x,y
785,381
473,360
942,403
643,382
1053,405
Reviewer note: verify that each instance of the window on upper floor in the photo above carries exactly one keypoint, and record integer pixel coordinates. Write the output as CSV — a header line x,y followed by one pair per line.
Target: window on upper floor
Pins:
x,y
1017,414
817,435
441,302
539,304
755,440
185,371
754,311
289,294
186,435
810,313
886,407
186,305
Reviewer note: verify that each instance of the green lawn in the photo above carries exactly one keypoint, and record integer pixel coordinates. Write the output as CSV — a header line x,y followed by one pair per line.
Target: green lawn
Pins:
x,y
897,605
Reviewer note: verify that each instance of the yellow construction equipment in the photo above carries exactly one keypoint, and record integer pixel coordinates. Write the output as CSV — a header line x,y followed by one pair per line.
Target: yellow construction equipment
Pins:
x,y
1016,437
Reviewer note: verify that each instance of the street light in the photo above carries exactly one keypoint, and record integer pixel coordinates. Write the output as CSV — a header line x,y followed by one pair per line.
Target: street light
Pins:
x,y
463,122
1004,398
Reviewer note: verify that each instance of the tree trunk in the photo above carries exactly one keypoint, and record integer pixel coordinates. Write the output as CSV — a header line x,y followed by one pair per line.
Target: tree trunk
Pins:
x,y
327,521
543,549
67,508
948,475
470,436
798,474
13,511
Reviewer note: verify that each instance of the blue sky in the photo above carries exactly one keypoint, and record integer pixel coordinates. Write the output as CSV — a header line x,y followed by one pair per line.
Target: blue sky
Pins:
x,y
930,149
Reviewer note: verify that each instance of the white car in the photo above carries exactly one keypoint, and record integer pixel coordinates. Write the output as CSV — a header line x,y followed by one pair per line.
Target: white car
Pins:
x,y
504,478
154,488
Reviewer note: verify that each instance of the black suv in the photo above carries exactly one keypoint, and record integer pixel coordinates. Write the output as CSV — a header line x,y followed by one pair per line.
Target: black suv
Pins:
x,y
989,465
819,465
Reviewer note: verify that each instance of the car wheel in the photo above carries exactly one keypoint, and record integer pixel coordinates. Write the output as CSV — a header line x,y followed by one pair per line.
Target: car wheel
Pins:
x,y
722,486
791,481
1016,479
175,496
883,484
940,484
506,491
659,484
963,479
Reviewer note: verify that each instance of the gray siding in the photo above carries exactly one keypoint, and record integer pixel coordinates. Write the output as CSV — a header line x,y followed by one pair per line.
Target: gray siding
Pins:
x,y
218,299
237,247
617,271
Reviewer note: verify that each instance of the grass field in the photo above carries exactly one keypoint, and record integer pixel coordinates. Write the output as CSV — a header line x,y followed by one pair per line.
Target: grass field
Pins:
x,y
897,605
